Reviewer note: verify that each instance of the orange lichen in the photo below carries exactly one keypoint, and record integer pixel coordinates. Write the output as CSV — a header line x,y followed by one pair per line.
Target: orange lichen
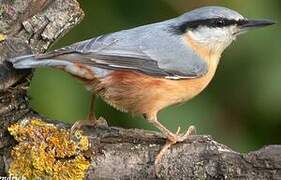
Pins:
x,y
45,151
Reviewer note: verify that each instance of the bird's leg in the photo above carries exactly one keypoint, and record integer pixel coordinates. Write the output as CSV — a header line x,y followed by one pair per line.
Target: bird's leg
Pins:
x,y
190,131
92,120
171,137
92,116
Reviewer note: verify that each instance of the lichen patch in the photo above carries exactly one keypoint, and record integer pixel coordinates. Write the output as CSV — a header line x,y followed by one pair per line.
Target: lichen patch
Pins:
x,y
2,37
45,151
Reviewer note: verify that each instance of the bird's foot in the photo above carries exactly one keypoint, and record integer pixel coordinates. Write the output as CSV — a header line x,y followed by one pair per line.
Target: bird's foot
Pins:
x,y
101,122
173,139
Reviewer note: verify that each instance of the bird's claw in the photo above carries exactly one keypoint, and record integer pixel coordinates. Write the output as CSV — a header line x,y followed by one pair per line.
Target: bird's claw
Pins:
x,y
177,137
173,139
101,122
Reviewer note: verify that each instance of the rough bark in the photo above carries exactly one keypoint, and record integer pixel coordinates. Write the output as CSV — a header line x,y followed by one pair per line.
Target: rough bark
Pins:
x,y
113,153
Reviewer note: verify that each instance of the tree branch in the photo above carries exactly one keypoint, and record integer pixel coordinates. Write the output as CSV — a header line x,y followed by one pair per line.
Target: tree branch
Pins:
x,y
33,146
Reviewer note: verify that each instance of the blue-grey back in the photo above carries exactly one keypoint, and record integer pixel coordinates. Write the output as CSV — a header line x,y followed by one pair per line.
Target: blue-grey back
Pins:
x,y
153,43
153,49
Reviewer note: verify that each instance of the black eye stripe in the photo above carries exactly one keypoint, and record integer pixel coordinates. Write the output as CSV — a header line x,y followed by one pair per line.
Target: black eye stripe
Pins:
x,y
213,22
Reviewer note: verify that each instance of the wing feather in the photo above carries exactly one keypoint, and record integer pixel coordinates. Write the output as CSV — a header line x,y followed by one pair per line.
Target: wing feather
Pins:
x,y
150,50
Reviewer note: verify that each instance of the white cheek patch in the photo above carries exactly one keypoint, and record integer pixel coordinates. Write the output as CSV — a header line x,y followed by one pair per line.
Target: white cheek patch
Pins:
x,y
216,39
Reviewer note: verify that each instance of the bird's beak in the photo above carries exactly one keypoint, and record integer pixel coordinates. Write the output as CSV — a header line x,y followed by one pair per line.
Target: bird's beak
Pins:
x,y
253,24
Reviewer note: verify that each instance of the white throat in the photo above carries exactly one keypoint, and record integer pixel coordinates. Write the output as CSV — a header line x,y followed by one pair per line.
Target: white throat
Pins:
x,y
216,40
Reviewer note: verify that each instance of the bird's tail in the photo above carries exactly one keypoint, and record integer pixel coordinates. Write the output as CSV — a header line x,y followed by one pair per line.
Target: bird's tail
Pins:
x,y
30,61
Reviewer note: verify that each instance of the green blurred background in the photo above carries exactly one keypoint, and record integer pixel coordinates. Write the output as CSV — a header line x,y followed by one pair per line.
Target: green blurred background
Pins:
x,y
240,108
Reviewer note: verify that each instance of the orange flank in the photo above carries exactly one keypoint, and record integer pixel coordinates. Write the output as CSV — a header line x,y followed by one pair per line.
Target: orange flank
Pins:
x,y
138,93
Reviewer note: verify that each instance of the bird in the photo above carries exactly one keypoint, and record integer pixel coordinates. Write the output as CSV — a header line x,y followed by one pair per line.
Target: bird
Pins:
x,y
148,68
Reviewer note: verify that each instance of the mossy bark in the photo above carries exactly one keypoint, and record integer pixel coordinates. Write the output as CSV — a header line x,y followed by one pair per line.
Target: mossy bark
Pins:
x,y
31,145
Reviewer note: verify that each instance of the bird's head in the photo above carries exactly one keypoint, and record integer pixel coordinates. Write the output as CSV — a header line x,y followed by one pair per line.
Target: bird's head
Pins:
x,y
215,27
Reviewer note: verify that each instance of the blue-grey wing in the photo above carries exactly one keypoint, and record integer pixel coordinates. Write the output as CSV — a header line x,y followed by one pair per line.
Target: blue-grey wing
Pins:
x,y
150,50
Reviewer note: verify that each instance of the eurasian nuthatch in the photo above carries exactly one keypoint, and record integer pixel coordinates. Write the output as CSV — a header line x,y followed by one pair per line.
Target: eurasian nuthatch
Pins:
x,y
147,68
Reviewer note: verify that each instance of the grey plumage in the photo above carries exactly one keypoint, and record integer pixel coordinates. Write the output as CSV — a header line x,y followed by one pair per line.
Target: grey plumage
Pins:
x,y
151,49
210,12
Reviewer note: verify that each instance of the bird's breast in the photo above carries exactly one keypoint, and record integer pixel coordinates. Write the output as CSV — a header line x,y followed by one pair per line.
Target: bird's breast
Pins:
x,y
141,94
195,86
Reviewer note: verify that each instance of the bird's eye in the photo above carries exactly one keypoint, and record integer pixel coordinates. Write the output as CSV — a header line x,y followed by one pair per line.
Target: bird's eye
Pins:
x,y
220,22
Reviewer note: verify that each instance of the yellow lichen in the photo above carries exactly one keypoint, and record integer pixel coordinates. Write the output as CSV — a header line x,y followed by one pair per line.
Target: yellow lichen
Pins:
x,y
44,151
2,37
